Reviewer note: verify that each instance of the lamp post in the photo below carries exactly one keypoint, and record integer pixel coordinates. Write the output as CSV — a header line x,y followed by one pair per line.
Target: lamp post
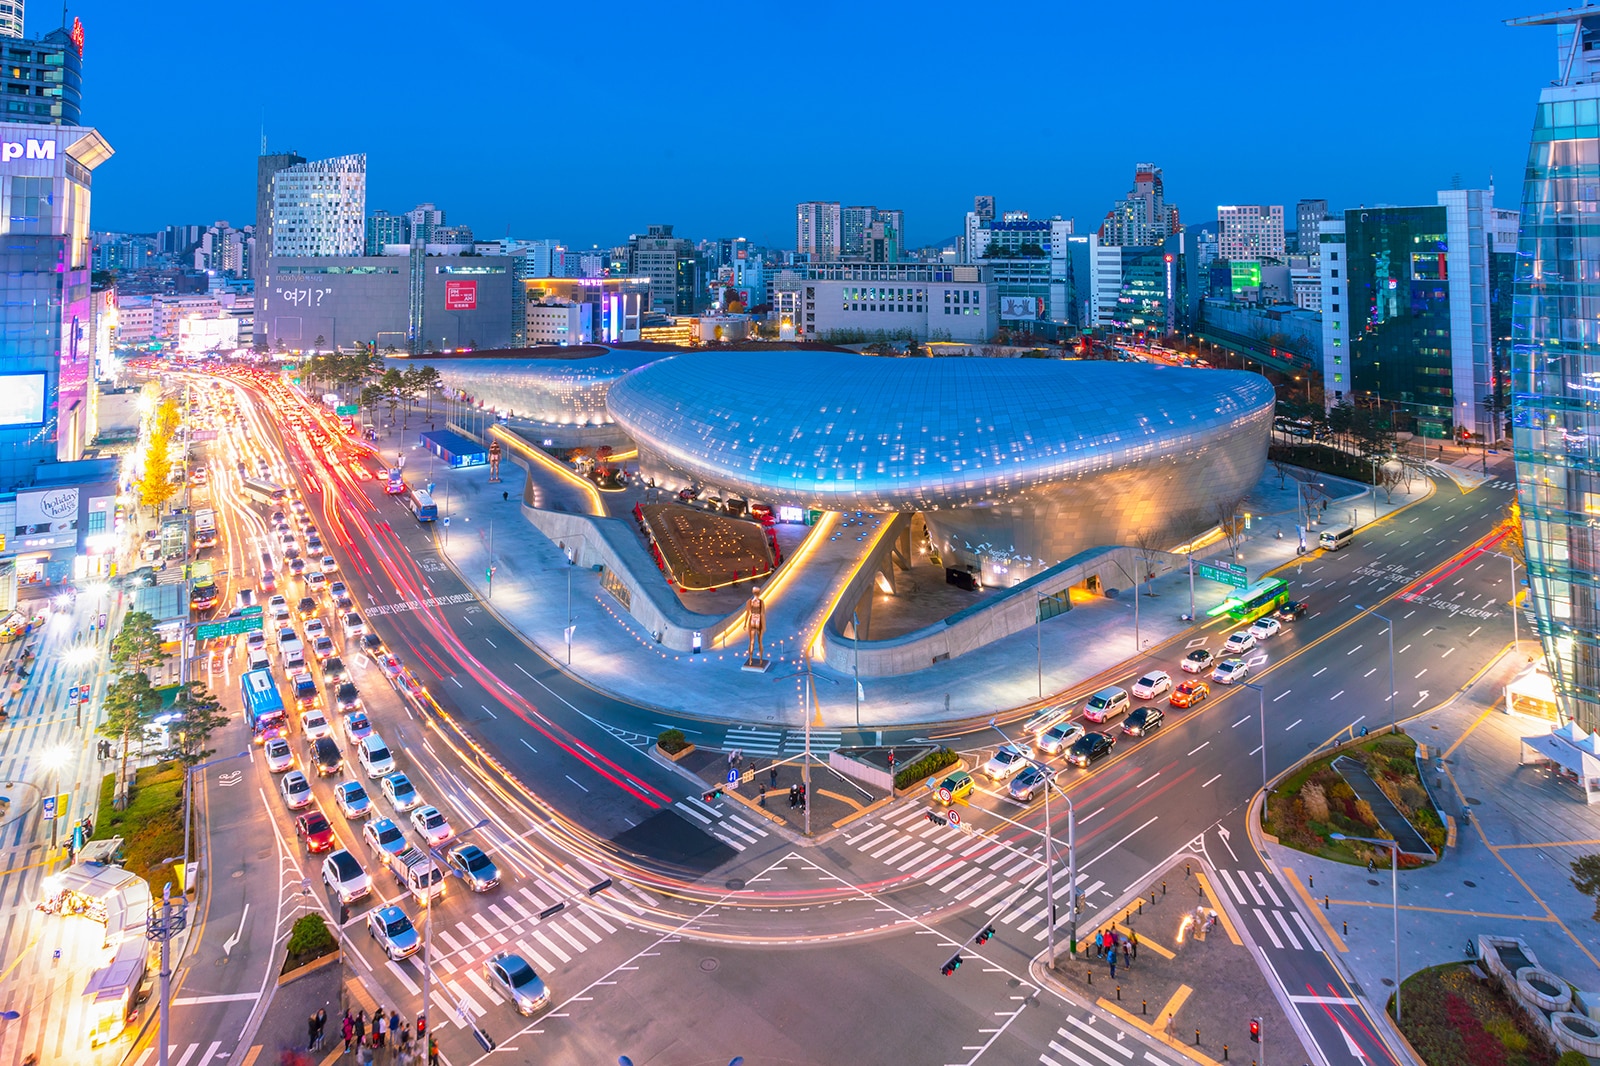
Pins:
x,y
855,662
1300,488
1394,893
1394,699
808,693
1049,858
1038,640
1515,629
1262,693
572,559
162,928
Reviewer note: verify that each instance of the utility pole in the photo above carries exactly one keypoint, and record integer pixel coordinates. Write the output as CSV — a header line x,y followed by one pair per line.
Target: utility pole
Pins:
x,y
162,930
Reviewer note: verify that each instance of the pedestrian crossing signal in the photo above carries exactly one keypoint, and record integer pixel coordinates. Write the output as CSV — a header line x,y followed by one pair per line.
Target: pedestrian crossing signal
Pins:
x,y
715,793
983,937
952,966
937,818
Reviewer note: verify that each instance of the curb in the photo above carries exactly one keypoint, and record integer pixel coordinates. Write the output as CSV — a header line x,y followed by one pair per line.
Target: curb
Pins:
x,y
336,955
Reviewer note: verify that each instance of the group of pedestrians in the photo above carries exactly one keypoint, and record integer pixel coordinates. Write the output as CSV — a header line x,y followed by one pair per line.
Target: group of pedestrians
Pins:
x,y
366,1038
1109,942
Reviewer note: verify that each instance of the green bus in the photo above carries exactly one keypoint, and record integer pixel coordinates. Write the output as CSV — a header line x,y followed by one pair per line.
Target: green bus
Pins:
x,y
1248,604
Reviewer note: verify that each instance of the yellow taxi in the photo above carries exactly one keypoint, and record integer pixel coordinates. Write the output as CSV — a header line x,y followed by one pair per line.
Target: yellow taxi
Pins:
x,y
954,788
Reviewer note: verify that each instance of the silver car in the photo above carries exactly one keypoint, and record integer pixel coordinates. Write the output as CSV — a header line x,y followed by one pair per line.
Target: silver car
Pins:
x,y
1059,737
1029,783
514,978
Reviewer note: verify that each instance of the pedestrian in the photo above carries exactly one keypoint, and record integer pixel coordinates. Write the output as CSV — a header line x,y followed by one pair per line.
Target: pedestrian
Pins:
x,y
311,1032
361,1027
761,797
433,1052
364,1056
1133,942
394,1026
772,774
504,496
322,1025
1112,955
377,1028
348,1028
1127,954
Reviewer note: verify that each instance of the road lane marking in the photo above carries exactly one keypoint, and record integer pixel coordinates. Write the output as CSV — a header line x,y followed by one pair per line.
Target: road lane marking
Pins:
x,y
1320,672
1355,649
1149,779
1296,722
1208,784
569,777
1240,722
1282,694
1201,746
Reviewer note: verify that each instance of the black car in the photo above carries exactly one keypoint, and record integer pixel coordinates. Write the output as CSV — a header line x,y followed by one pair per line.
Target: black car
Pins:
x,y
1144,720
333,670
1289,612
329,759
1090,748
371,644
306,607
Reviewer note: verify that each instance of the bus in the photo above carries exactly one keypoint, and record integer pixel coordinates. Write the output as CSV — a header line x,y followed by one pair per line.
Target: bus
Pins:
x,y
263,706
1248,604
263,491
421,503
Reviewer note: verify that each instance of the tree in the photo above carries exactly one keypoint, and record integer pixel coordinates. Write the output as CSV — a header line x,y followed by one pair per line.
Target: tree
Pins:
x,y
1586,879
137,646
130,703
1390,474
1225,512
154,484
320,343
1149,543
199,715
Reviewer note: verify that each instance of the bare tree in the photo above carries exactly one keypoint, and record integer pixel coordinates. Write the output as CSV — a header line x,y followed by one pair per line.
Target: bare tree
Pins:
x,y
1281,468
1390,474
1149,544
1225,512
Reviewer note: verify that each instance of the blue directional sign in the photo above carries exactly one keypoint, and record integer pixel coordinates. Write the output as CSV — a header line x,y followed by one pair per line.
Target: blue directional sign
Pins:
x,y
733,777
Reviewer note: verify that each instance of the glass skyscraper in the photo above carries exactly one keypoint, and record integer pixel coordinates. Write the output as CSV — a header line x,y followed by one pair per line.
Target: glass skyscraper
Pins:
x,y
1555,364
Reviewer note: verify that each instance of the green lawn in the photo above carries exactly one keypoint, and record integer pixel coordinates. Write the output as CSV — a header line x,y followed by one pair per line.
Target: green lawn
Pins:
x,y
1451,1017
151,826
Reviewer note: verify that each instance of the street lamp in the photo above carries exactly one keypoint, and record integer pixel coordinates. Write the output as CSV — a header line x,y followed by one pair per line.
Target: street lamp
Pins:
x,y
1049,858
1394,699
1515,629
1262,693
572,559
1394,892
162,928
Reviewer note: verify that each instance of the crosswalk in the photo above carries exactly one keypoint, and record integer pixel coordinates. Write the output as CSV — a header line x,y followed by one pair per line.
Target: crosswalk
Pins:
x,y
1285,929
186,1055
1506,485
1080,1042
550,922
734,830
779,743
1006,881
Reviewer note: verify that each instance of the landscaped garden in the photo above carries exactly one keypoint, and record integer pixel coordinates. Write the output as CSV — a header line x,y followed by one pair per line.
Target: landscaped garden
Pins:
x,y
1314,803
151,825
1453,1017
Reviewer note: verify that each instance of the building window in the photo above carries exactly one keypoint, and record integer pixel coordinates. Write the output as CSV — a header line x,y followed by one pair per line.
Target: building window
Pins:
x,y
1335,311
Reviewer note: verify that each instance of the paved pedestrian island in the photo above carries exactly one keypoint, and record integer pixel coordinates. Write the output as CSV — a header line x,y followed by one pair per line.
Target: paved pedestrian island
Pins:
x,y
1194,985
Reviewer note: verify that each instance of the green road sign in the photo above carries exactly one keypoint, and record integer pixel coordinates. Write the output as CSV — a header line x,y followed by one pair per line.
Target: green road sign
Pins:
x,y
1233,574
251,612
347,409
229,627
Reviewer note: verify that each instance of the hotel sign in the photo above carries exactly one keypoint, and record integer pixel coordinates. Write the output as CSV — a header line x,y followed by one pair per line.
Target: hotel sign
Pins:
x,y
28,149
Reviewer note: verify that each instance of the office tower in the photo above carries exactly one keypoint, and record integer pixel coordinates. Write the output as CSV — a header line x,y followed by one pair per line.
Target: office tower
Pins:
x,y
1144,218
424,219
853,225
819,230
672,266
268,164
1251,231
385,228
11,18
1308,216
41,80
319,208
1555,423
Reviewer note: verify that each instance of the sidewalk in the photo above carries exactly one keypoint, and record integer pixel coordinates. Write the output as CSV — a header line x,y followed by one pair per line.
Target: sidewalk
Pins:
x,y
613,653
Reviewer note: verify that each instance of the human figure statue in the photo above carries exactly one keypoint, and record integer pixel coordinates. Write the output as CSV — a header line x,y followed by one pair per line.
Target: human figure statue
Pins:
x,y
755,616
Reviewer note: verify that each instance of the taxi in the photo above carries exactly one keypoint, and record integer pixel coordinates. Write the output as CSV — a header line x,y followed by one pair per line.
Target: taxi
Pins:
x,y
954,788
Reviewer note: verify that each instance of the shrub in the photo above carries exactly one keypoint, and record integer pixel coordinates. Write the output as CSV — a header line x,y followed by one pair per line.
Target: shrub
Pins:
x,y
672,741
1316,802
1413,797
1401,766
1572,1058
1506,1031
310,938
1364,814
1340,792
929,764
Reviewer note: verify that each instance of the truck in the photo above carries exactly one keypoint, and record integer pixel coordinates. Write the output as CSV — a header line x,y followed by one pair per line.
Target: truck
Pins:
x,y
306,695
415,872
263,706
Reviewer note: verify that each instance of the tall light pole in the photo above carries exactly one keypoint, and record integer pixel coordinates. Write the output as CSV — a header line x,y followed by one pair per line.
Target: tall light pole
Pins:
x,y
1049,857
1394,893
1394,698
1038,640
1262,693
807,697
54,759
162,928
572,559
855,662
1515,629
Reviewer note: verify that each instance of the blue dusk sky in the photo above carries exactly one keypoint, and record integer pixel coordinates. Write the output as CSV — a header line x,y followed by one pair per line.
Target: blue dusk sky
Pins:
x,y
587,123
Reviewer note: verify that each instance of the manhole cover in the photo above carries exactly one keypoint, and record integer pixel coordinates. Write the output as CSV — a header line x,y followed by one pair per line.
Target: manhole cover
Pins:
x,y
1388,983
1012,982
1473,801
735,883
1470,884
708,965
1370,881
1032,1001
223,961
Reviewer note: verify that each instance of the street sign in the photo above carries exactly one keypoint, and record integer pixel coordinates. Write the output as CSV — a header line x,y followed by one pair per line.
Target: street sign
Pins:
x,y
49,804
72,694
347,409
733,777
230,627
1234,574
955,817
251,612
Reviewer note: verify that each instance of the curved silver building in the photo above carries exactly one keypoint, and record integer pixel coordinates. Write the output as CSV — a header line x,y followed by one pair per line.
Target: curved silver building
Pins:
x,y
557,391
1015,464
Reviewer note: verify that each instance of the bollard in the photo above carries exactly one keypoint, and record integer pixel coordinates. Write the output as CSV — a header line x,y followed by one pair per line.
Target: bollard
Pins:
x,y
1224,1052
1312,879
1163,888
1186,870
1144,1006
1324,902
1141,904
1197,1038
1119,993
1088,977
1152,897
1346,928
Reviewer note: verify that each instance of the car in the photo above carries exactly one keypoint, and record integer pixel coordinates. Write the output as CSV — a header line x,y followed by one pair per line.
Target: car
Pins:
x,y
375,756
323,648
1007,761
372,644
342,872
314,545
352,799
316,581
1106,704
399,791
347,697
1144,720
269,580
287,638
1265,628
391,667
298,506
1240,640
1189,693
1045,719
474,867
279,518
204,594
337,588
1026,784
394,932
384,838
280,757
315,723
954,788
1198,661
315,627
256,641
353,626
1293,611
306,608
315,832
294,657
329,759
343,602
1230,670
296,790
278,607
328,563
1090,748
1155,683
333,670
356,726
431,824
511,975
1060,737
296,566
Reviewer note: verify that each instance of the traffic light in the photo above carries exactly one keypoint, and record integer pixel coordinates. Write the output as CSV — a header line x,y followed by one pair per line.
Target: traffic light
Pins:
x,y
715,793
937,819
952,966
1255,1030
983,937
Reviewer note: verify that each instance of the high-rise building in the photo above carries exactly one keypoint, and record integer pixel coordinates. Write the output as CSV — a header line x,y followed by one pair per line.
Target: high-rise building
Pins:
x,y
385,228
1144,218
42,80
319,208
268,164
672,266
1555,423
853,225
424,219
819,230
11,18
1251,231
1308,216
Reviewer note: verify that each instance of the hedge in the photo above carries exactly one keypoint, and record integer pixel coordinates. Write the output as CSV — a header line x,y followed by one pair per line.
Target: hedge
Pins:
x,y
310,938
672,741
926,766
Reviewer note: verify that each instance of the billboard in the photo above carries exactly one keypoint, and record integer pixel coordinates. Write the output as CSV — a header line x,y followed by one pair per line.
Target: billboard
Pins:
x,y
22,399
461,295
47,518
1030,308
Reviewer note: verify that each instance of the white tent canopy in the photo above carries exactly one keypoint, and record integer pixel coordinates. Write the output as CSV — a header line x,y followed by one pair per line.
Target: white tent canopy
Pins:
x,y
1577,759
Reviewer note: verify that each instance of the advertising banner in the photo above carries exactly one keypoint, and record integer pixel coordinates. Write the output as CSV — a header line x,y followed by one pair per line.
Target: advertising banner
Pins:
x,y
48,511
461,295
22,399
1021,307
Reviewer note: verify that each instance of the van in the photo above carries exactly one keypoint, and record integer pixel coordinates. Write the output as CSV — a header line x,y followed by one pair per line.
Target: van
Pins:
x,y
375,756
1106,704
1334,539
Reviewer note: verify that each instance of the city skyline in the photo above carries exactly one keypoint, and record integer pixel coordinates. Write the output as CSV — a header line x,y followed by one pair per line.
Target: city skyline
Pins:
x,y
708,191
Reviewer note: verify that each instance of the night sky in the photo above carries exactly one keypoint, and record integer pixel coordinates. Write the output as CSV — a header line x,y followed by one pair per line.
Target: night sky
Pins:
x,y
589,122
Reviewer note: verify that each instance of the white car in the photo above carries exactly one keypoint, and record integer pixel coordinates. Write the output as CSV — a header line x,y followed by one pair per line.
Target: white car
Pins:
x,y
296,790
342,872
316,581
1008,761
353,626
1230,670
315,723
1059,737
1238,641
1262,628
430,822
287,638
256,641
280,757
316,627
1198,661
1155,683
329,564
